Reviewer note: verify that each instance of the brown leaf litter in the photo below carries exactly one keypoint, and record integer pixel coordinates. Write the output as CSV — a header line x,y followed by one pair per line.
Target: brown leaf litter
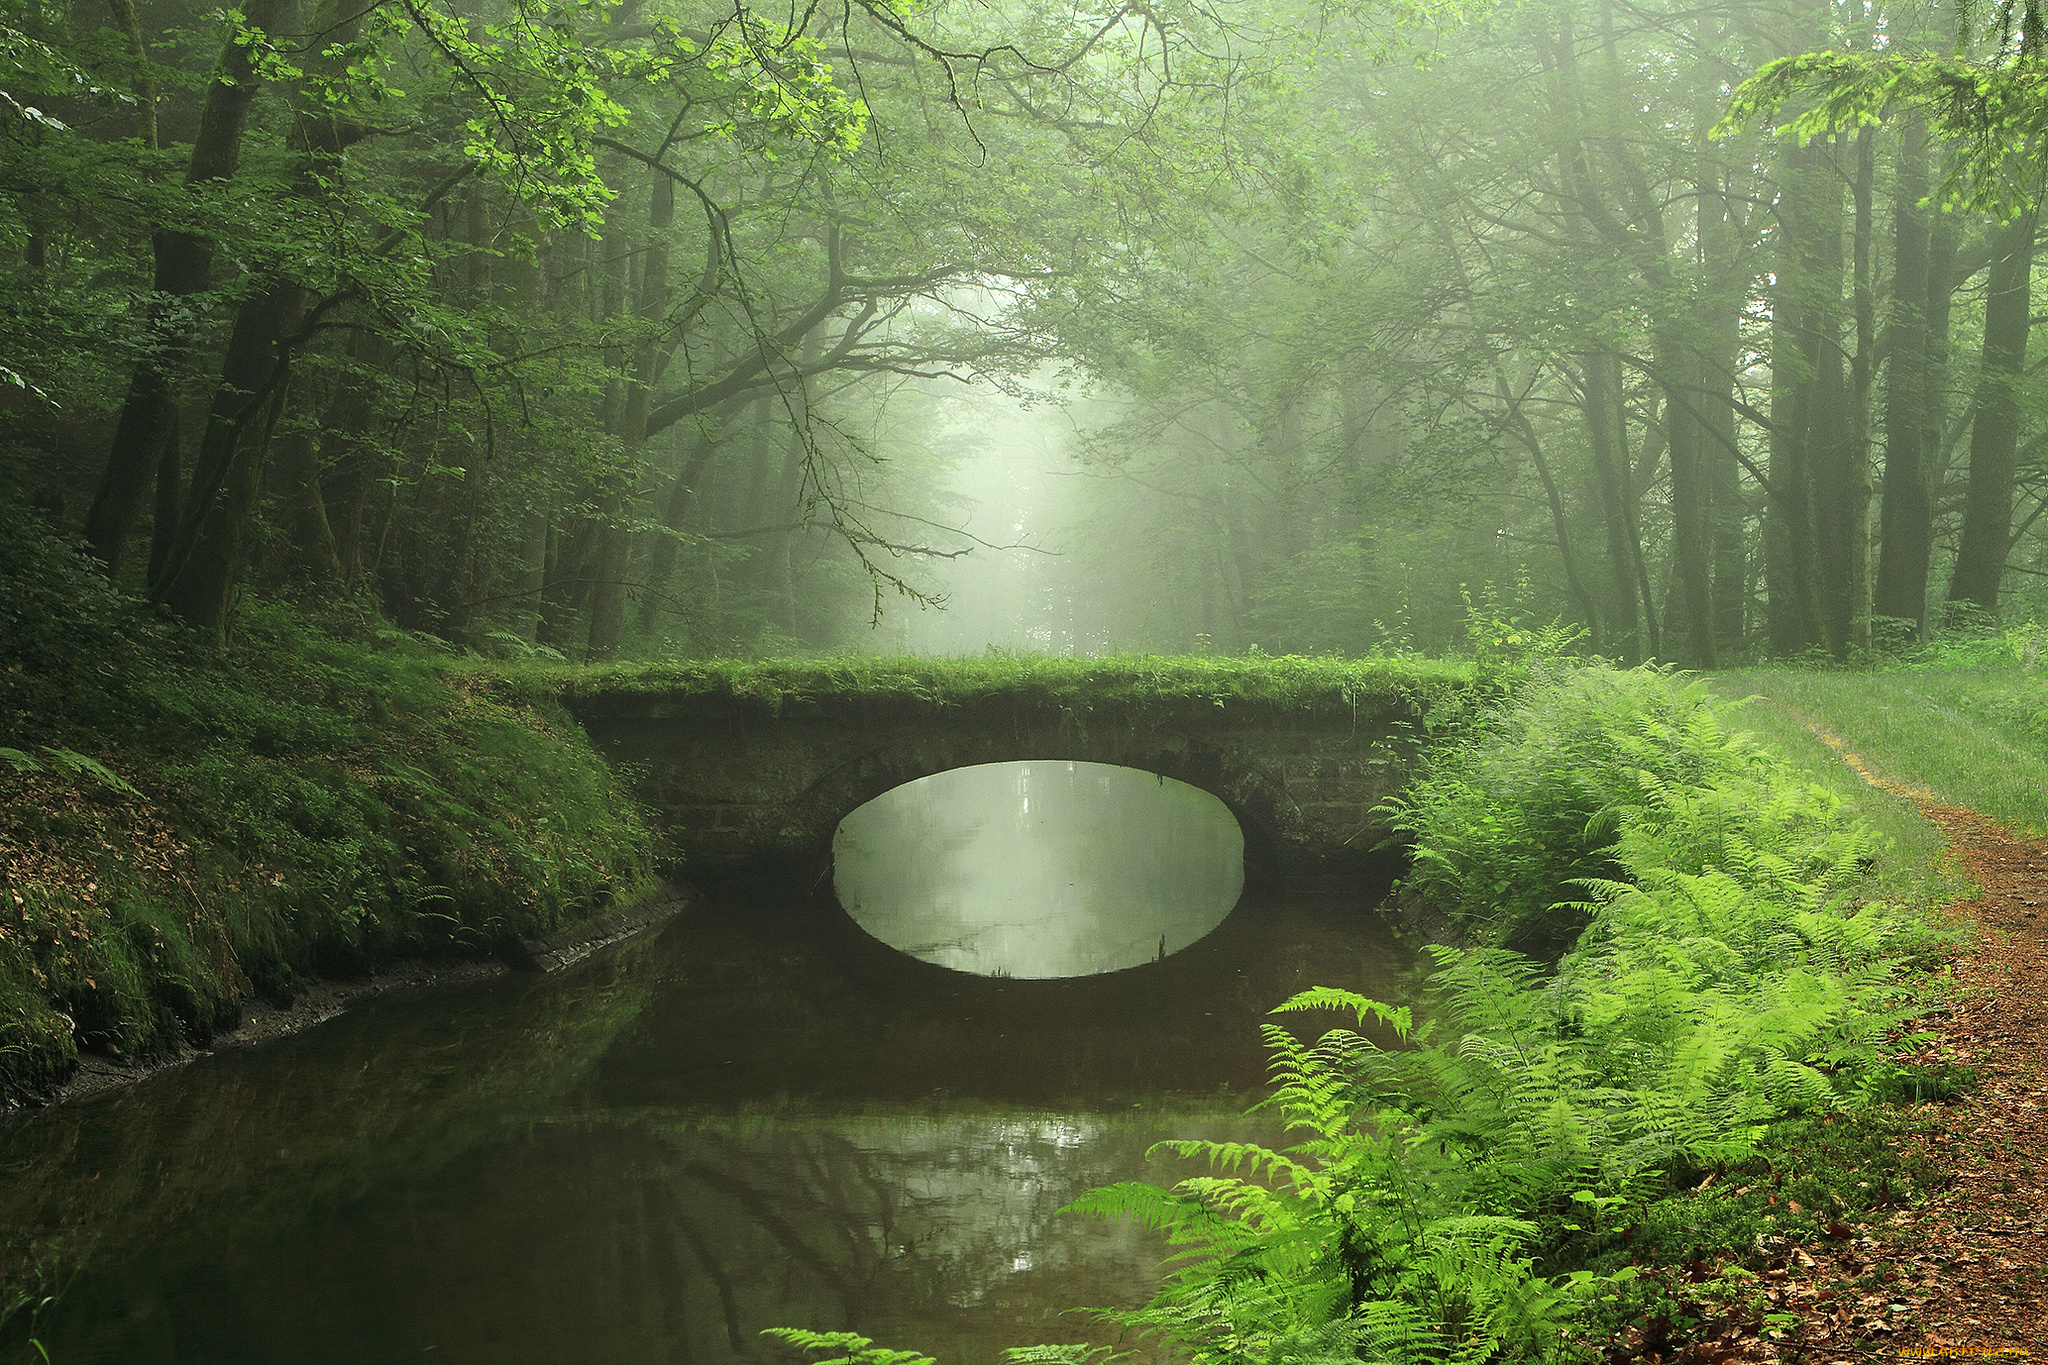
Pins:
x,y
1963,1276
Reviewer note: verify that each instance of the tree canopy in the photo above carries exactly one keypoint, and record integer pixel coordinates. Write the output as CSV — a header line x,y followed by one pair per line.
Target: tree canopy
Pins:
x,y
655,327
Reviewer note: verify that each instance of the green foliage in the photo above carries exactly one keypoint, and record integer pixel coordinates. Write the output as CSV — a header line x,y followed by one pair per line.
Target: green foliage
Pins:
x,y
1458,1190
1502,631
1290,680
1397,1228
1970,725
1986,110
851,1348
179,828
68,761
1512,819
1060,1355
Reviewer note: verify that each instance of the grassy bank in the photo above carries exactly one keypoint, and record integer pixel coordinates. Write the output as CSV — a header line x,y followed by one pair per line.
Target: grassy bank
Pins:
x,y
1290,681
1971,727
181,829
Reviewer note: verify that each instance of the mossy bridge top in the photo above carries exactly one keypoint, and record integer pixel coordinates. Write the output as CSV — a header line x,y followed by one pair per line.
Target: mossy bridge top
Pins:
x,y
750,767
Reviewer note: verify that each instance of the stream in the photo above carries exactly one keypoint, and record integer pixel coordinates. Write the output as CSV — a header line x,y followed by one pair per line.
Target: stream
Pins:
x,y
761,1116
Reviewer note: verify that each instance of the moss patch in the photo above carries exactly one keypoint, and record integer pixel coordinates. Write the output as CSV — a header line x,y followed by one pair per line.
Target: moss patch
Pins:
x,y
180,829
1117,679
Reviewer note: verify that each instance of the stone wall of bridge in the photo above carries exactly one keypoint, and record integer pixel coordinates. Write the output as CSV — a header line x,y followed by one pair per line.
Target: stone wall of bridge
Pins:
x,y
749,796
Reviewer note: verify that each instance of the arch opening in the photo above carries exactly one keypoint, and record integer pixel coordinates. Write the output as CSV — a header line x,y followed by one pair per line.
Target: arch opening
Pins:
x,y
1040,868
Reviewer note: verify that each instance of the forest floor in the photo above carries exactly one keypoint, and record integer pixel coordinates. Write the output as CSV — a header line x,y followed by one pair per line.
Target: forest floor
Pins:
x,y
1965,1274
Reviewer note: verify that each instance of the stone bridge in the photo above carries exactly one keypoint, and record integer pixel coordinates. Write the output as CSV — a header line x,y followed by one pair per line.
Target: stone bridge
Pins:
x,y
749,795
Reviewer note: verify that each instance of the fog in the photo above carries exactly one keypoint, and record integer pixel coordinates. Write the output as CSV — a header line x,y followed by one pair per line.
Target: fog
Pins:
x,y
1018,507
1013,327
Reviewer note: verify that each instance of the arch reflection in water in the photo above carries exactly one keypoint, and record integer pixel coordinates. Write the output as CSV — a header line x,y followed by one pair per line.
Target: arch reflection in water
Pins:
x,y
1039,869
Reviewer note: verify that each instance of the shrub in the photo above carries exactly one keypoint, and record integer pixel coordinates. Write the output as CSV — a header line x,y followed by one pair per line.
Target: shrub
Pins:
x,y
1460,1196
1511,820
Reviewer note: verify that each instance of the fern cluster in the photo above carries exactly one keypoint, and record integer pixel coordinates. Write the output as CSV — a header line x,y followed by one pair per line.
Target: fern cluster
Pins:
x,y
1451,1184
1510,820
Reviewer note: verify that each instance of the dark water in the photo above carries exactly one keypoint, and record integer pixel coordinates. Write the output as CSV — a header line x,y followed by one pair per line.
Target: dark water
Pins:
x,y
760,1117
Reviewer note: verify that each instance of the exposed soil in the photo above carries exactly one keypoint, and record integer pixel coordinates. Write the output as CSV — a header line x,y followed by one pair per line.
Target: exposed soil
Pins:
x,y
1965,1274
1980,1248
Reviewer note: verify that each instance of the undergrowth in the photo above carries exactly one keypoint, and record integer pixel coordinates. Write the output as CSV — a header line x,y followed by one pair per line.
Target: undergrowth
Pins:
x,y
1513,817
1506,1172
181,829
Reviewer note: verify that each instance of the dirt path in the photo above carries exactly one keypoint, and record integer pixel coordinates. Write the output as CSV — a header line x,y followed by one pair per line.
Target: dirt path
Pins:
x,y
1964,1276
1981,1247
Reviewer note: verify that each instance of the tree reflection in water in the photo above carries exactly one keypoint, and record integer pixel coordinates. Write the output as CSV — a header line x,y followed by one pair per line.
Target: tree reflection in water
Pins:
x,y
762,1118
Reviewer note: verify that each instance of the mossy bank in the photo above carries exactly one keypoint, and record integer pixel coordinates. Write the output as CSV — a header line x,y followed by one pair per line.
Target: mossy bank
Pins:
x,y
184,829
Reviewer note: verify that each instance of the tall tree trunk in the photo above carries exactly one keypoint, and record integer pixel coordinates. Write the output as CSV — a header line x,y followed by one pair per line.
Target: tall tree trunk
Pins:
x,y
227,478
466,575
145,431
1728,273
1838,436
348,463
1906,512
1994,431
1808,392
568,564
601,536
199,574
313,551
1561,525
1633,630
675,515
533,563
608,593
1692,600
1862,385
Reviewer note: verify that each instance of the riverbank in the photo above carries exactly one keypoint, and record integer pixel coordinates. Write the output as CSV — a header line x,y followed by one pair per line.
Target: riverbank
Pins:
x,y
190,835
320,1000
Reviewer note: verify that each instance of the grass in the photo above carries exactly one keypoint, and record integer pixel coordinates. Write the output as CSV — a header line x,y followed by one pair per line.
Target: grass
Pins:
x,y
1910,870
1291,681
1975,735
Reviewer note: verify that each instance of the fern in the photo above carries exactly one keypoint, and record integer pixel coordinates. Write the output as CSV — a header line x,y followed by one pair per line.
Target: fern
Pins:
x,y
853,1348
1432,1197
1062,1355
70,761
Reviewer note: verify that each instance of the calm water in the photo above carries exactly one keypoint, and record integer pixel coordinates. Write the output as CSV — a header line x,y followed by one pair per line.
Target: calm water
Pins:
x,y
1040,869
761,1116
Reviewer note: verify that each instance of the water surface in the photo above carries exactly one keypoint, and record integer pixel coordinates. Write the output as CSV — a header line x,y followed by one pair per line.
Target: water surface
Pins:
x,y
1040,869
761,1116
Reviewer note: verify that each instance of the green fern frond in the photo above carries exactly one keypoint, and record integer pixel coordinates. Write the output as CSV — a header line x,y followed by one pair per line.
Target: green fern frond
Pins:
x,y
1063,1355
1147,1205
853,1348
1400,1018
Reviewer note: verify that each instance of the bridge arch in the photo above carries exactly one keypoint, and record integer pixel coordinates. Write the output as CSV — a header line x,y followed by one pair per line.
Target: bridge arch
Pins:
x,y
749,796
1252,789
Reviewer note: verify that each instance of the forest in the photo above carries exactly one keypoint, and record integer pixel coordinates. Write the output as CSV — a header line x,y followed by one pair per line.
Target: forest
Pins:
x,y
663,330
379,379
